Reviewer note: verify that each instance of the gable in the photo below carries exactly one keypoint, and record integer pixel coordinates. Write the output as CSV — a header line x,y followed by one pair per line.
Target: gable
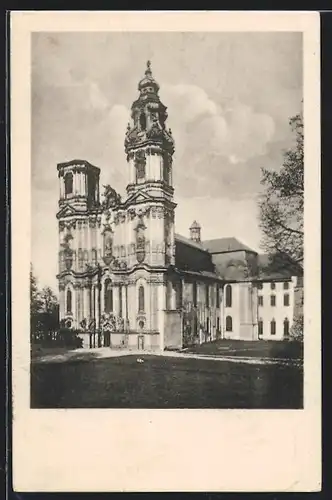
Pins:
x,y
139,197
66,211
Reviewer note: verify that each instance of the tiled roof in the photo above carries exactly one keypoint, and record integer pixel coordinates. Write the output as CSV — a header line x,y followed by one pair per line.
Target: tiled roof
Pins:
x,y
188,241
203,274
224,245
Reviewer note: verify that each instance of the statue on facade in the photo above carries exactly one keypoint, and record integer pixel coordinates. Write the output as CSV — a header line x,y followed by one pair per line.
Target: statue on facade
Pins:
x,y
111,197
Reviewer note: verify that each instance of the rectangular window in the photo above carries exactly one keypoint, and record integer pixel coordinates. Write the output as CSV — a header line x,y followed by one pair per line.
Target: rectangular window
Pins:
x,y
286,299
273,300
286,285
260,300
273,286
260,286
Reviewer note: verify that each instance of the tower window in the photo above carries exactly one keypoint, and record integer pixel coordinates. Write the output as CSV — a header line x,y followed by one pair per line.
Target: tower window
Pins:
x,y
91,189
69,302
68,183
273,327
94,256
141,298
142,121
140,170
228,296
229,324
108,296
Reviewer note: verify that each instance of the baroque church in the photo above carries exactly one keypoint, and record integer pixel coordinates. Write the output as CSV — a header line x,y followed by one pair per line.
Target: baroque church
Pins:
x,y
127,279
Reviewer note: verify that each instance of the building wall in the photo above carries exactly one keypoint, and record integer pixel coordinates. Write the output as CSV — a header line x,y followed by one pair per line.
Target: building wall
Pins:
x,y
242,312
267,312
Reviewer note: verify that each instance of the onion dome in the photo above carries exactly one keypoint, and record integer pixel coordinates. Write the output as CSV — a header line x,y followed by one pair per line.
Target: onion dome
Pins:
x,y
148,83
195,225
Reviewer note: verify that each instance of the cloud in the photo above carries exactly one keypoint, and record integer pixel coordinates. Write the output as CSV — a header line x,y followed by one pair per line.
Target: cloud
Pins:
x,y
219,218
96,97
238,133
212,139
229,98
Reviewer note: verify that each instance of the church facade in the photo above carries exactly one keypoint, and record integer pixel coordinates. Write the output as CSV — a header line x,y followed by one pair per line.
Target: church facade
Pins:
x,y
127,279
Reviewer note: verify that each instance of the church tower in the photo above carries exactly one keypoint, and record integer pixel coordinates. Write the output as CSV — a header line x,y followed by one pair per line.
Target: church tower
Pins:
x,y
79,221
149,146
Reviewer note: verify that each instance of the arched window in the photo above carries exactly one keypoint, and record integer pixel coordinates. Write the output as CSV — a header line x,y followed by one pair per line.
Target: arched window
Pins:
x,y
142,120
228,292
69,301
273,327
108,297
260,328
94,256
286,327
141,298
140,170
68,183
229,324
80,259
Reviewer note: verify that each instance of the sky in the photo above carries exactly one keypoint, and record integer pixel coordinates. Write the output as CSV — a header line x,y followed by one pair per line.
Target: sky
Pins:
x,y
229,98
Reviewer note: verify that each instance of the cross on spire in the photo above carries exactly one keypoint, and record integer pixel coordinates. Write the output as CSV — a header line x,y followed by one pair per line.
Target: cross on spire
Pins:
x,y
148,71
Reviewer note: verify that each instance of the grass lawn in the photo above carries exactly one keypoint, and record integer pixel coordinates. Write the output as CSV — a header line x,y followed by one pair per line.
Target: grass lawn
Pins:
x,y
164,382
259,349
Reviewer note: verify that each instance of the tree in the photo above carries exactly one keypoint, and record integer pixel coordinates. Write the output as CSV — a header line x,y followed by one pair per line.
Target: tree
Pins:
x,y
50,309
44,309
281,216
281,204
35,304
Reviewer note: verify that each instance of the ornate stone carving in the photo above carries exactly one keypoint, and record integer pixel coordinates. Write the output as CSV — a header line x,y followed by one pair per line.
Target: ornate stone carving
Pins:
x,y
111,197
140,242
108,244
122,217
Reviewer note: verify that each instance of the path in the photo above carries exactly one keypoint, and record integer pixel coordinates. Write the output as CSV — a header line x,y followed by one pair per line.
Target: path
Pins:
x,y
106,352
